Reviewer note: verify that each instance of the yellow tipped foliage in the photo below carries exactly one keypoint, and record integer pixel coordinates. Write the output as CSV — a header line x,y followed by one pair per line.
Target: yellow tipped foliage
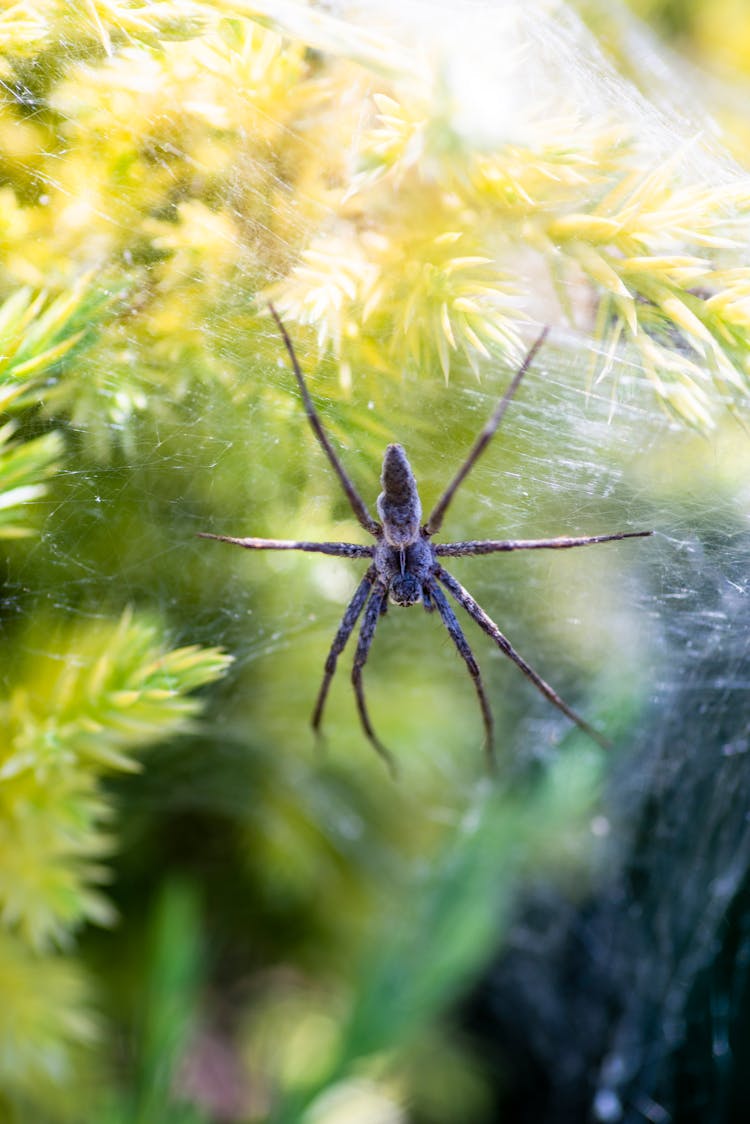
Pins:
x,y
38,338
37,333
213,155
45,1008
24,467
81,702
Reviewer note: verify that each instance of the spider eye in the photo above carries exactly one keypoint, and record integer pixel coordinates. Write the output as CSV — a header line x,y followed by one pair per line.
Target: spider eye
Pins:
x,y
405,589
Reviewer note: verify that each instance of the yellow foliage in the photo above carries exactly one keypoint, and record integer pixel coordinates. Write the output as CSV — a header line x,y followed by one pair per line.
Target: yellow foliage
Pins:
x,y
83,700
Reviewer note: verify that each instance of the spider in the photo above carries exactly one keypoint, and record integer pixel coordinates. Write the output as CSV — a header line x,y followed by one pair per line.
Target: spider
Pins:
x,y
405,565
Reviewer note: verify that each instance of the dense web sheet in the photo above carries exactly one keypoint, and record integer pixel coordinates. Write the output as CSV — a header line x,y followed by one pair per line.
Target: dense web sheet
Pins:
x,y
651,968
185,418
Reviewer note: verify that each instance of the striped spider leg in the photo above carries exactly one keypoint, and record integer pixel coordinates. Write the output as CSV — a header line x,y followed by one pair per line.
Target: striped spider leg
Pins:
x,y
405,565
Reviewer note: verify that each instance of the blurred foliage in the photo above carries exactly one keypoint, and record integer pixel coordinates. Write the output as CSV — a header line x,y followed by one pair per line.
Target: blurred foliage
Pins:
x,y
707,46
716,34
282,934
458,903
167,1010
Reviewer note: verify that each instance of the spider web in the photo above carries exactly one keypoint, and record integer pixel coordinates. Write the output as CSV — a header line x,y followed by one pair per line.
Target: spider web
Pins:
x,y
648,636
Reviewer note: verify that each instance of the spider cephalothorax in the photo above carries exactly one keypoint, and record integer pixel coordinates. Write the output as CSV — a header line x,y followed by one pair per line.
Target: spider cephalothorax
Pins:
x,y
405,564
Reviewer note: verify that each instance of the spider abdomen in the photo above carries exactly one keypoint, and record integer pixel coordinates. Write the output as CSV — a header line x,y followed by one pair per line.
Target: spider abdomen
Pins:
x,y
398,504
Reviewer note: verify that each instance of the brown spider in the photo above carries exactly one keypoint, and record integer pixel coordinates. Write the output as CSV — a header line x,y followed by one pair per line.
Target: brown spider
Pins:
x,y
405,563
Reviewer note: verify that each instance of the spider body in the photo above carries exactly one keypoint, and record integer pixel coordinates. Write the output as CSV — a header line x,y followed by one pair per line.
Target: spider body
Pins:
x,y
404,558
405,565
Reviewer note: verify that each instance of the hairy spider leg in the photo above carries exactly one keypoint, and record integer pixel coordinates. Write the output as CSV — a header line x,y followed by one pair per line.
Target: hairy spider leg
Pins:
x,y
341,549
464,598
366,634
454,628
348,621
435,520
493,546
357,504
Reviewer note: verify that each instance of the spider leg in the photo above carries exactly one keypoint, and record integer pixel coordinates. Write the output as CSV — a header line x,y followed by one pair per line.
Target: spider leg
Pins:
x,y
493,546
458,638
357,504
464,598
348,621
342,549
366,634
435,520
